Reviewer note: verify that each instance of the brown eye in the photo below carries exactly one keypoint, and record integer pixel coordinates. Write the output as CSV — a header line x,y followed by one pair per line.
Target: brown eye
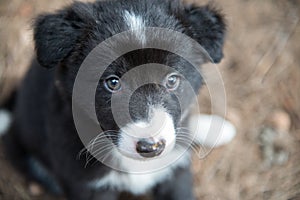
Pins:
x,y
112,83
172,81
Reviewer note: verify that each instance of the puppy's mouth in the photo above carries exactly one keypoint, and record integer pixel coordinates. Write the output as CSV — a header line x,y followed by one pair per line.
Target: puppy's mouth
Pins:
x,y
140,148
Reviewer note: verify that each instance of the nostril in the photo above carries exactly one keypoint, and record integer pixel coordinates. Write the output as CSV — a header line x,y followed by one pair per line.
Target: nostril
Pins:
x,y
148,148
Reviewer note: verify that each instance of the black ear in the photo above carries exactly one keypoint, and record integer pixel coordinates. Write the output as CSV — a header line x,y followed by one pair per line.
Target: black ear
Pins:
x,y
54,38
55,35
206,25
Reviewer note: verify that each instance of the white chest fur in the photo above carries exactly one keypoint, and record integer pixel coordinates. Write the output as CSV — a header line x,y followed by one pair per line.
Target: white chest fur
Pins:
x,y
138,183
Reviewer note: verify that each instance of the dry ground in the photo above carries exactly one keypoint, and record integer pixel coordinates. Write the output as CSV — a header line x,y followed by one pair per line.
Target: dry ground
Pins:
x,y
261,73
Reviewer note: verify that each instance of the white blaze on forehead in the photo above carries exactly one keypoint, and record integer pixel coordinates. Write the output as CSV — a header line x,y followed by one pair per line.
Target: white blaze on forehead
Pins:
x,y
161,126
136,24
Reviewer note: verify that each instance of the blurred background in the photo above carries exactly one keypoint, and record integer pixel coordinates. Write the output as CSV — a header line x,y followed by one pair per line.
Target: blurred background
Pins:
x,y
261,72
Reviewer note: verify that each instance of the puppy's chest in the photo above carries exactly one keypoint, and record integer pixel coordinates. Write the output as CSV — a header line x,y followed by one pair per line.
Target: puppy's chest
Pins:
x,y
134,183
138,184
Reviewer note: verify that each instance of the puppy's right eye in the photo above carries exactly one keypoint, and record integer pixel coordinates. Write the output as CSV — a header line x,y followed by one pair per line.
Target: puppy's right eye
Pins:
x,y
113,83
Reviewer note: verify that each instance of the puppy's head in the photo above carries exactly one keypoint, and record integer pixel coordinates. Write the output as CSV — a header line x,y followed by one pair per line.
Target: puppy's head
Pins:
x,y
159,97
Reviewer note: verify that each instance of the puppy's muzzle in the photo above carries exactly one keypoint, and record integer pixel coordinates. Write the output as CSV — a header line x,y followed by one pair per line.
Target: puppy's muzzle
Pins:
x,y
148,148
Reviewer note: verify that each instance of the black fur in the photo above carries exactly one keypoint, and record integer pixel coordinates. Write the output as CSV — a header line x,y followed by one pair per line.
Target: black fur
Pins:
x,y
207,26
43,130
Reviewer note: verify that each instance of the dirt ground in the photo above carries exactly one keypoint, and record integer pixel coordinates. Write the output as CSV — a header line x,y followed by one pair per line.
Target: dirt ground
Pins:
x,y
261,74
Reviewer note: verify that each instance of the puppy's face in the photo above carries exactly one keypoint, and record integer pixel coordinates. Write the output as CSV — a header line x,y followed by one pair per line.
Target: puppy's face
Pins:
x,y
143,97
158,98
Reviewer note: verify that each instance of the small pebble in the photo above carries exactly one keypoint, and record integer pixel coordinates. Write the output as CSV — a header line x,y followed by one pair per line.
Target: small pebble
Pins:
x,y
35,189
272,154
280,120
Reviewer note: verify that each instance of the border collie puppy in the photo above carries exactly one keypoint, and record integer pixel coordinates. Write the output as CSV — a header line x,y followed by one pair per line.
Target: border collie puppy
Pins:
x,y
43,139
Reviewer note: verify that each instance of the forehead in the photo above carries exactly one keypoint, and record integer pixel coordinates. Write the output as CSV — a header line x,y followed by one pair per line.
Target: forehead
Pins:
x,y
148,62
137,43
134,15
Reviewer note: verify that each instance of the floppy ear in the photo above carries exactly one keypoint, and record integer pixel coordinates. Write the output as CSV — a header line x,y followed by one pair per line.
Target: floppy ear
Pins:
x,y
55,35
54,38
206,25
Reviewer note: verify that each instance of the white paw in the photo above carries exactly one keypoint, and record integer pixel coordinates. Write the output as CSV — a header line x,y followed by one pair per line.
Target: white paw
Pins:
x,y
5,120
211,130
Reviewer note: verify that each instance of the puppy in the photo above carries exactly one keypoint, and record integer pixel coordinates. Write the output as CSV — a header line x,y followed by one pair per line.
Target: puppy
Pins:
x,y
139,153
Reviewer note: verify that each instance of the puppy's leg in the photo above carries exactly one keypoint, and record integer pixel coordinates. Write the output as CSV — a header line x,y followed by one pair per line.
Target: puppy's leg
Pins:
x,y
179,187
26,163
106,195
82,192
211,130
14,150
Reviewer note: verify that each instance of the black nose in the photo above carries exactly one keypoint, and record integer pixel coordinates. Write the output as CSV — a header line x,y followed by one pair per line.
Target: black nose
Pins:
x,y
149,148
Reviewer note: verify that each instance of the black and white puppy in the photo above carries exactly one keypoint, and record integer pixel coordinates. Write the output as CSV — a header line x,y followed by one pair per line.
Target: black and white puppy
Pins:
x,y
43,141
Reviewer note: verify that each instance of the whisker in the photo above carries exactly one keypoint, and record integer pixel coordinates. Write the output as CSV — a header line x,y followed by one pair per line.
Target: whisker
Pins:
x,y
102,139
102,159
108,154
106,134
98,152
187,140
92,151
190,141
186,144
183,128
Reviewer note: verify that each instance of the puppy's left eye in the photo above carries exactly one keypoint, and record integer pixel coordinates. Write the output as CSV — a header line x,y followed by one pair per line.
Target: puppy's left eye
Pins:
x,y
113,84
172,82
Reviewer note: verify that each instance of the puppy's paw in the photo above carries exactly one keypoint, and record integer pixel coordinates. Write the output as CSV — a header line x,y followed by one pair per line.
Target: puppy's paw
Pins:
x,y
211,130
5,120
